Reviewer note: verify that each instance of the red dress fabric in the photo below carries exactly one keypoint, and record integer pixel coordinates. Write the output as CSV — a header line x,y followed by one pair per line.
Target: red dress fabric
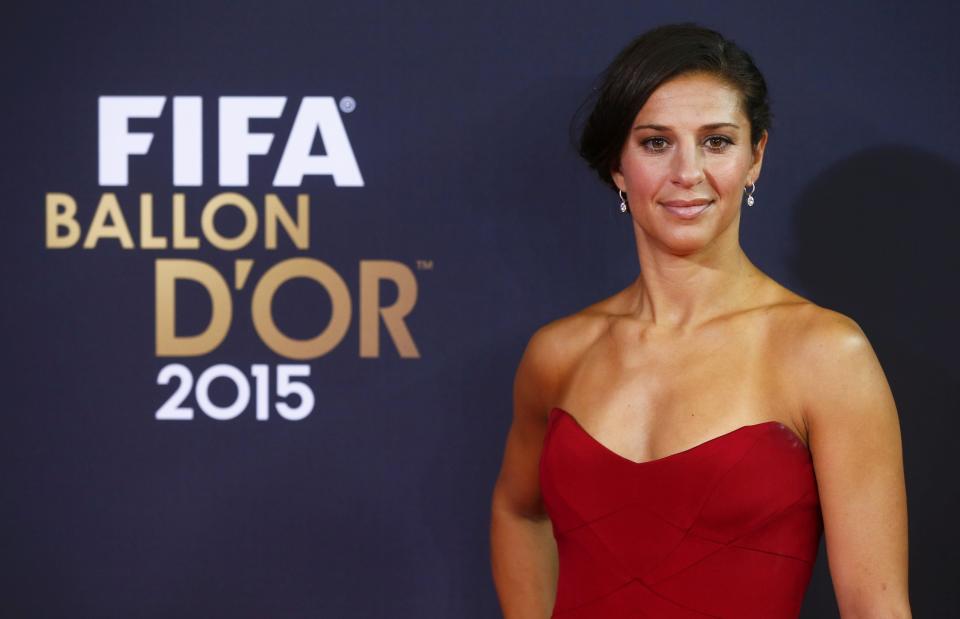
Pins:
x,y
729,528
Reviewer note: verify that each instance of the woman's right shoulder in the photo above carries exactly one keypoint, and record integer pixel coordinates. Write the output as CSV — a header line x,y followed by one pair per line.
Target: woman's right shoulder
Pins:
x,y
552,352
562,341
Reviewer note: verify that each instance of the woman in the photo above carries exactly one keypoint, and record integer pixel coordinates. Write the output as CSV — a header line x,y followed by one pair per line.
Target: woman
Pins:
x,y
678,448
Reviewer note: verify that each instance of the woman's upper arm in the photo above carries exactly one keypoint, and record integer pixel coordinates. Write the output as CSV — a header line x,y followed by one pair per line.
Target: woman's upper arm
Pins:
x,y
854,437
518,484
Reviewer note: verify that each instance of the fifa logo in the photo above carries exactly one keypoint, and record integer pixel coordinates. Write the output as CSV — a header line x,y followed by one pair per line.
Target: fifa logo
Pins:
x,y
117,143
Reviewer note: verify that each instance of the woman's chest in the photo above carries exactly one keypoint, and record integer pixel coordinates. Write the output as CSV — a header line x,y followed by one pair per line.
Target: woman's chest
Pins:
x,y
645,397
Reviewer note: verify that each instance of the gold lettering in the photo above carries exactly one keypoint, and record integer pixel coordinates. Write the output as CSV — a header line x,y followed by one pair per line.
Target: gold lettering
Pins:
x,y
210,212
298,232
180,238
371,272
262,308
168,343
108,223
147,240
62,213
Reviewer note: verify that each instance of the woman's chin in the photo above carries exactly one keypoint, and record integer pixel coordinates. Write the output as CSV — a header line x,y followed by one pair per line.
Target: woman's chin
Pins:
x,y
686,243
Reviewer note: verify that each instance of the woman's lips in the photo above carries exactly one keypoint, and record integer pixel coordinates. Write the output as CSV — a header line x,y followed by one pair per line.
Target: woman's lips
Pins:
x,y
686,210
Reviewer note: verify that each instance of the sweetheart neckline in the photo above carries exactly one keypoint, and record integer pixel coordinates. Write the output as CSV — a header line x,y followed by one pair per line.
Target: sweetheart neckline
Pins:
x,y
676,454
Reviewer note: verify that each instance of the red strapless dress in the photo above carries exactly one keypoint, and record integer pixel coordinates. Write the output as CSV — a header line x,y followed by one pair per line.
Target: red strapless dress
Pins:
x,y
728,528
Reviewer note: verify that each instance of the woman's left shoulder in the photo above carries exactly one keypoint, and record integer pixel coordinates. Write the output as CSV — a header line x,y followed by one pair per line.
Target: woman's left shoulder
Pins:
x,y
806,330
817,334
821,350
833,368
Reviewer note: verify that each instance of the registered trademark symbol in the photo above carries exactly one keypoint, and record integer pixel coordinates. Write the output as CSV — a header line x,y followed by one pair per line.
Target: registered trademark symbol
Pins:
x,y
348,104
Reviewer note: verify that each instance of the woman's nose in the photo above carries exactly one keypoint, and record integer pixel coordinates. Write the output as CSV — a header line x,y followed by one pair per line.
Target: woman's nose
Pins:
x,y
687,166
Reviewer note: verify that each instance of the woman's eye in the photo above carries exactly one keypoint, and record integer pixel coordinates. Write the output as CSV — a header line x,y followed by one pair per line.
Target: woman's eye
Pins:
x,y
655,144
718,142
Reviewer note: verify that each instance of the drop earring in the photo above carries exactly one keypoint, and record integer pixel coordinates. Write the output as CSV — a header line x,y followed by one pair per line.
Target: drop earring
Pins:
x,y
750,200
623,202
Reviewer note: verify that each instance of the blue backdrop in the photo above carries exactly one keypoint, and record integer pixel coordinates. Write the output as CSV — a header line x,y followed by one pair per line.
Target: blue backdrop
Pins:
x,y
376,503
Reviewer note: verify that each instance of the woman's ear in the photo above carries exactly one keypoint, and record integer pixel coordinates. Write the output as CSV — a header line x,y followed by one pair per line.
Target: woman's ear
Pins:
x,y
754,173
617,177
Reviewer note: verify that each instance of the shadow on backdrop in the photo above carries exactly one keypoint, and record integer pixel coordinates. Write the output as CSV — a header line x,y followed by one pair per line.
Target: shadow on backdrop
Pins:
x,y
876,239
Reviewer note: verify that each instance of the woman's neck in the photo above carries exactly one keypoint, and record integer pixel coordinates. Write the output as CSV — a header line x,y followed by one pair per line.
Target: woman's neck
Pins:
x,y
685,291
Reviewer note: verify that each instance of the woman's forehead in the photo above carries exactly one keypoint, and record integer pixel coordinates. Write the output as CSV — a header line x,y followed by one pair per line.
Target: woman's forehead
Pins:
x,y
697,98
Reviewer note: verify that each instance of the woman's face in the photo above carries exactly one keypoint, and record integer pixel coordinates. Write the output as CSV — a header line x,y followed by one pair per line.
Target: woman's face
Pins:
x,y
686,162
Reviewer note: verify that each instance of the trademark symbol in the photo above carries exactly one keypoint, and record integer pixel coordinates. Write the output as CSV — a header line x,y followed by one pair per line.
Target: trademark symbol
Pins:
x,y
424,265
348,104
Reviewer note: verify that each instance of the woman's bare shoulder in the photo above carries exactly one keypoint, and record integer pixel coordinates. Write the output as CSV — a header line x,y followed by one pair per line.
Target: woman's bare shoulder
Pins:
x,y
564,339
799,320
811,329
825,352
555,347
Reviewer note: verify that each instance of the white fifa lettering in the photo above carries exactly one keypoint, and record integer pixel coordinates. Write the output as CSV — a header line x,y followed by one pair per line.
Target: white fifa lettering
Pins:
x,y
316,118
318,114
115,141
187,141
237,144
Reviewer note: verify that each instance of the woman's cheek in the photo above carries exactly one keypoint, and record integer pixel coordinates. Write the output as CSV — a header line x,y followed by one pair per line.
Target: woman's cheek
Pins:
x,y
729,174
651,174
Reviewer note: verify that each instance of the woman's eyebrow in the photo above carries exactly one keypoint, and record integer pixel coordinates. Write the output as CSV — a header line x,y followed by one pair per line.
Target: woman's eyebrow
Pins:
x,y
654,127
665,128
